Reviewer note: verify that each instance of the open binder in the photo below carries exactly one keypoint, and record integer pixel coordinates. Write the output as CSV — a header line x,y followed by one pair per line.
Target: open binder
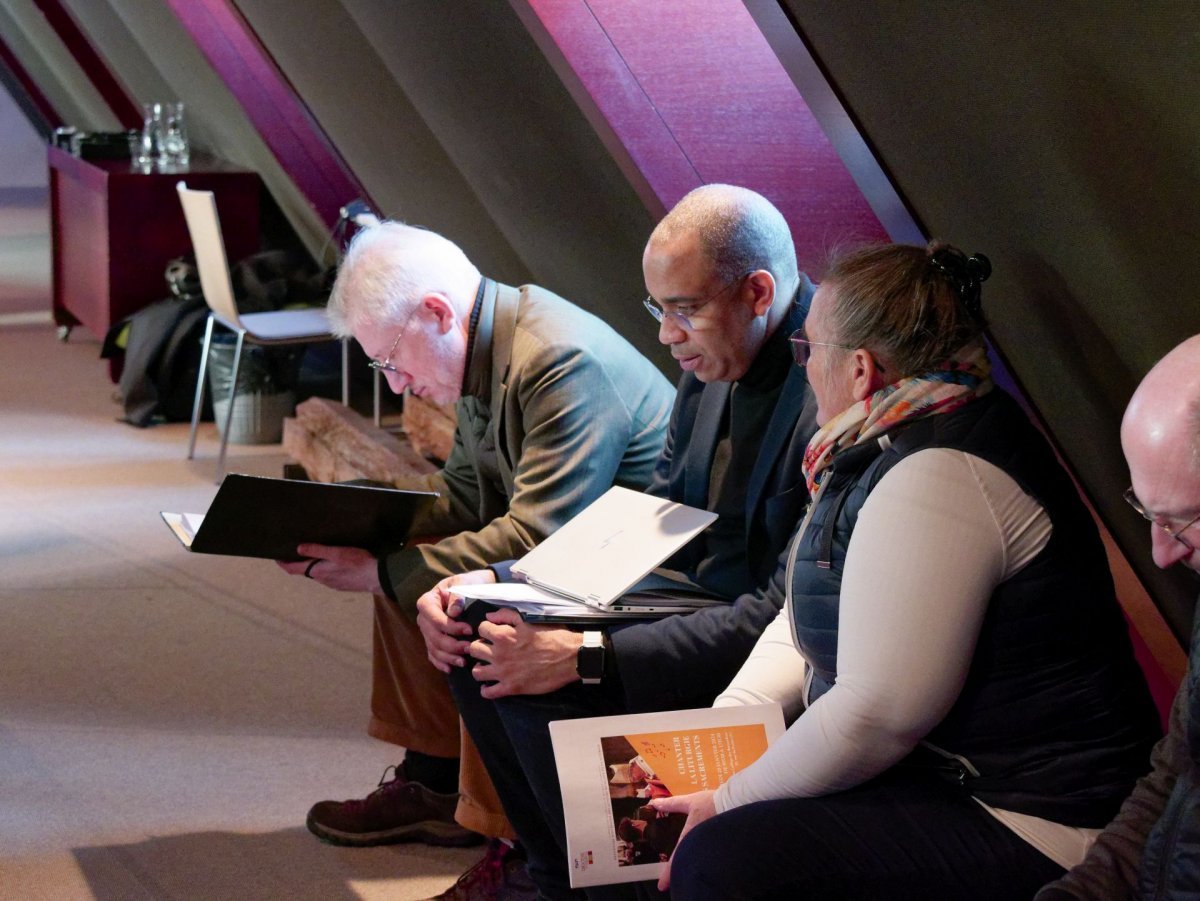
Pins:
x,y
253,516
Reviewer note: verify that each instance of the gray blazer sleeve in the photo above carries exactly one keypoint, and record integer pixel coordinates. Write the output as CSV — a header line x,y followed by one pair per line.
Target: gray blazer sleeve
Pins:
x,y
457,484
574,430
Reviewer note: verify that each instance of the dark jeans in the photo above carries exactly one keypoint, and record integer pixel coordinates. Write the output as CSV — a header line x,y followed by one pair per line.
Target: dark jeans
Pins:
x,y
513,738
905,835
902,836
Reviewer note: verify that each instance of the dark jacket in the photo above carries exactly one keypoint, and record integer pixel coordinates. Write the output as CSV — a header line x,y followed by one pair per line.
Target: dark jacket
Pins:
x,y
1054,719
557,408
685,661
1171,860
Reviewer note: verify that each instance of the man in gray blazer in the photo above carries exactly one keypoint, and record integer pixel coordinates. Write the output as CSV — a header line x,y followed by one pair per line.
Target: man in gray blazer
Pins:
x,y
553,408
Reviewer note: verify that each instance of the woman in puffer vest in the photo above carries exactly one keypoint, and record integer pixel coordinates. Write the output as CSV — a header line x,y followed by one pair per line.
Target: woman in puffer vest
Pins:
x,y
967,710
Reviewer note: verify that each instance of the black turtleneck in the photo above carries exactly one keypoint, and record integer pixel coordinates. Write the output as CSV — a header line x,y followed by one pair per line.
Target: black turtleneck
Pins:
x,y
752,400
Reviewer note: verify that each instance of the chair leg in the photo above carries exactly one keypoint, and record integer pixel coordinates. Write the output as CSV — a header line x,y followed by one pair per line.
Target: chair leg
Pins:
x,y
233,382
198,403
345,372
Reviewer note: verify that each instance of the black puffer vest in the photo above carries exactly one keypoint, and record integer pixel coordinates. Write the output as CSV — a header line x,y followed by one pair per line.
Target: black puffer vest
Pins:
x,y
1055,719
1171,857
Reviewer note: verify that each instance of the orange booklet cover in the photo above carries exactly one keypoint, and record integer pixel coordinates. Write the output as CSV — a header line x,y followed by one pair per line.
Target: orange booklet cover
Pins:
x,y
611,767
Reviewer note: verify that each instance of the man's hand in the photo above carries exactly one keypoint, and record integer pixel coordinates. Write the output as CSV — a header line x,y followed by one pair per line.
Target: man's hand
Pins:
x,y
342,568
436,612
523,659
698,806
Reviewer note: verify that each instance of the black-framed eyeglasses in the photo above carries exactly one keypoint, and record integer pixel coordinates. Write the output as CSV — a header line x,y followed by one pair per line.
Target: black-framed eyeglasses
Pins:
x,y
802,347
386,364
683,320
1175,533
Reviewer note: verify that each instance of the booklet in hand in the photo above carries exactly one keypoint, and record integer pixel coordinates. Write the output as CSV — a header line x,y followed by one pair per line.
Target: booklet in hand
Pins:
x,y
610,768
253,516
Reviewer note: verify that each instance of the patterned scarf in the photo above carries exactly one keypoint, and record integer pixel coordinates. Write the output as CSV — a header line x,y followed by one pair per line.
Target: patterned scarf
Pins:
x,y
961,379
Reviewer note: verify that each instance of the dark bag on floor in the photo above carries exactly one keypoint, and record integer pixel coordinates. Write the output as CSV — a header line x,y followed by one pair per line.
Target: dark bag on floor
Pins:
x,y
162,360
162,342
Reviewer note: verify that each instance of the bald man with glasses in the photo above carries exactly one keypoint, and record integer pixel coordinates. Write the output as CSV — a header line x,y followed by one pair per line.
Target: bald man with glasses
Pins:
x,y
726,294
1152,848
553,407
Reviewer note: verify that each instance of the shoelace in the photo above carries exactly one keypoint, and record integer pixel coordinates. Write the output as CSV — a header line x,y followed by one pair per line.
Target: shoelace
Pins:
x,y
489,872
386,786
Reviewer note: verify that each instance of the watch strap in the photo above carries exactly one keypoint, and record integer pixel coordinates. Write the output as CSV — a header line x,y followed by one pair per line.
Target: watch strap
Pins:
x,y
589,659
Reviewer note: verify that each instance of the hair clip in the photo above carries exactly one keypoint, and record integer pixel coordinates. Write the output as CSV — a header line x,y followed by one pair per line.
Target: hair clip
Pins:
x,y
966,274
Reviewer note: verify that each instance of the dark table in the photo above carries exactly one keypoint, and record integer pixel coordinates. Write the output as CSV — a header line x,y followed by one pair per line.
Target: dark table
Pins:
x,y
114,228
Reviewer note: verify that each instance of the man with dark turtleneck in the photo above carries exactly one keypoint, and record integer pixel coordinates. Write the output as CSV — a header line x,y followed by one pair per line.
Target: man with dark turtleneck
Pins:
x,y
752,401
725,290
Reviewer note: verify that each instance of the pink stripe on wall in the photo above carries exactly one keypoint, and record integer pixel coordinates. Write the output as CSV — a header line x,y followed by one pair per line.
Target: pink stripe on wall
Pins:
x,y
272,104
623,114
698,97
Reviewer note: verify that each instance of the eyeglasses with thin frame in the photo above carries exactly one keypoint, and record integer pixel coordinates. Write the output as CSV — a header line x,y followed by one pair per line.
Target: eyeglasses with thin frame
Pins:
x,y
1177,534
386,365
802,347
684,320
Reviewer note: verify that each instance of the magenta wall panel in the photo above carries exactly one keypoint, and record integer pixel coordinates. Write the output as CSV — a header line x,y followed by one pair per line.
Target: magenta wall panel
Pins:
x,y
698,98
284,122
598,76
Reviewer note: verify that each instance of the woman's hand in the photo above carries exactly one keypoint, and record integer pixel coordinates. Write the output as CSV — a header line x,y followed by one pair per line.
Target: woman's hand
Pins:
x,y
699,806
447,641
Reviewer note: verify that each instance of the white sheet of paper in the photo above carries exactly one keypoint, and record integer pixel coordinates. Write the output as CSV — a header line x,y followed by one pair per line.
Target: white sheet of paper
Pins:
x,y
184,525
510,592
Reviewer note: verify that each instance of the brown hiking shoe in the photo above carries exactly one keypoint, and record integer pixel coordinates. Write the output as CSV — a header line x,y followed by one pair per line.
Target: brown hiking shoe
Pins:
x,y
500,876
397,811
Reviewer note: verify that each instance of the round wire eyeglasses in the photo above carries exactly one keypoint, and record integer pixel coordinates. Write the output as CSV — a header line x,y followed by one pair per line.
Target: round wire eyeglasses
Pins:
x,y
1177,534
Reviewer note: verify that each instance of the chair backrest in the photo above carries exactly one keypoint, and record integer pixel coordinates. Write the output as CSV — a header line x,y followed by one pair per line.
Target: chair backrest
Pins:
x,y
200,211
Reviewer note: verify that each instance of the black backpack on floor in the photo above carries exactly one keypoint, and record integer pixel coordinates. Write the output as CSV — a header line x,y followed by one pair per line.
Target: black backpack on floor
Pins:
x,y
162,342
162,360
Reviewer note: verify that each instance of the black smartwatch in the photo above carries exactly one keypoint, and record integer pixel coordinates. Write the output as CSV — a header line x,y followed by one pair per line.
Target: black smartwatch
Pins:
x,y
589,660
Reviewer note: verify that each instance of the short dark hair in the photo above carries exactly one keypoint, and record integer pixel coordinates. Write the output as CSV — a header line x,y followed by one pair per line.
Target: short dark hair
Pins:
x,y
740,230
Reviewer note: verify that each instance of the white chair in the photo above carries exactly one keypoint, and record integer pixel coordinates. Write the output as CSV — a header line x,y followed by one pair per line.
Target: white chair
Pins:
x,y
271,328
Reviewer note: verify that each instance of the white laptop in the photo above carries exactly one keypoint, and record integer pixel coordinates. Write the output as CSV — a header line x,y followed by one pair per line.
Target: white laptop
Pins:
x,y
603,559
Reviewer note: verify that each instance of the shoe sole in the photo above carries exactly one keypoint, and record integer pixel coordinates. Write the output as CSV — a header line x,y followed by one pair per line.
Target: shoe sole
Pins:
x,y
429,832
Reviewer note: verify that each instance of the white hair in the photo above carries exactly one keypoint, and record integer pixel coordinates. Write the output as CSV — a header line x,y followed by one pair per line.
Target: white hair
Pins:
x,y
388,268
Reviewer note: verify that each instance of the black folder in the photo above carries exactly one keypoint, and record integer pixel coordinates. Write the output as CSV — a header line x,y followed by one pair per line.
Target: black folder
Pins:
x,y
253,516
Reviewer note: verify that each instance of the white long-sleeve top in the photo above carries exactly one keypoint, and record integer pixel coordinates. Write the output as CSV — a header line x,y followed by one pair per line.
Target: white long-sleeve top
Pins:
x,y
934,538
